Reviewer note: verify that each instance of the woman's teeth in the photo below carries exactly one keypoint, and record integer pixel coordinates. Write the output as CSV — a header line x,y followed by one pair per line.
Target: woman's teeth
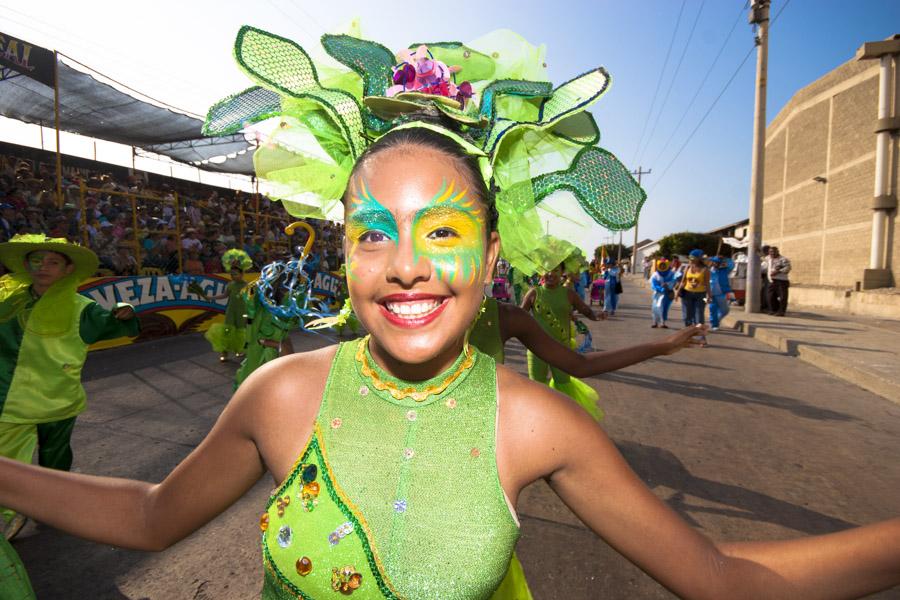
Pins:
x,y
412,309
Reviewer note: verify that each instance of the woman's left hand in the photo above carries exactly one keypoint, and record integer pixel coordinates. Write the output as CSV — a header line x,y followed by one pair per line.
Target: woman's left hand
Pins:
x,y
685,338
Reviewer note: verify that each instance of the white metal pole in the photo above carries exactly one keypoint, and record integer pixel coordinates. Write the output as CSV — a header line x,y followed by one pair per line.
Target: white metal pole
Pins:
x,y
882,142
760,10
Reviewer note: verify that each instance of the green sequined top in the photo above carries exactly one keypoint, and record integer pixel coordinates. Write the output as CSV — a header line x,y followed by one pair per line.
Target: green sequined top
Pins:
x,y
393,498
553,311
485,334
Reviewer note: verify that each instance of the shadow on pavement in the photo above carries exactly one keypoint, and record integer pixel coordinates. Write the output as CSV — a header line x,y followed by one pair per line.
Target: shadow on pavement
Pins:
x,y
659,467
721,394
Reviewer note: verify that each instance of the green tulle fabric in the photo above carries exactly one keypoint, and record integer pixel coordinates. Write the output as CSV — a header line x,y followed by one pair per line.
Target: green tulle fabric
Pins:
x,y
531,138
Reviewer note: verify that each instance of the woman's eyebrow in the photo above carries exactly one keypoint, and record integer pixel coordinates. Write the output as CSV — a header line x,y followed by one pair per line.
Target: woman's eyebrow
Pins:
x,y
445,200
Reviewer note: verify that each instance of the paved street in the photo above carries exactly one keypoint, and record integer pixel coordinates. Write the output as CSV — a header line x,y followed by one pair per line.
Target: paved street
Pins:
x,y
742,440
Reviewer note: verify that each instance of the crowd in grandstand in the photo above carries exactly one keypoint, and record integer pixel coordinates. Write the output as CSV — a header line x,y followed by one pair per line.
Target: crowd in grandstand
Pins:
x,y
131,221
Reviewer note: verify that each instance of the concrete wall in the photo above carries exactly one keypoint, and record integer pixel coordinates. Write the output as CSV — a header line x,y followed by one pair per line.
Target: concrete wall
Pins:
x,y
827,130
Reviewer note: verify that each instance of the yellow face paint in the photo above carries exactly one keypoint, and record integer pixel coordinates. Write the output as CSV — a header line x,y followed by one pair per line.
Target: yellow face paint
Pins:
x,y
450,233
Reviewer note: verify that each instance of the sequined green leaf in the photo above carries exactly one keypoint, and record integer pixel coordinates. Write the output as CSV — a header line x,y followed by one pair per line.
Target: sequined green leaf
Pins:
x,y
567,100
283,66
602,185
370,60
236,112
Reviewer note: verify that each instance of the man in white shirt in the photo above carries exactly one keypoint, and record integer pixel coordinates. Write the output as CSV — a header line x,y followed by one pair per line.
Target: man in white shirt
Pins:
x,y
777,269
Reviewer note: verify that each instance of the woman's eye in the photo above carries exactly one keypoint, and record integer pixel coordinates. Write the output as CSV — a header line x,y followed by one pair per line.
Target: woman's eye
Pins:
x,y
374,236
442,233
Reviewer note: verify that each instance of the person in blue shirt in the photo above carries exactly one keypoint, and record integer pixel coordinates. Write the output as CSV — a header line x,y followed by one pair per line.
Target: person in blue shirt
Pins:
x,y
719,289
611,275
663,283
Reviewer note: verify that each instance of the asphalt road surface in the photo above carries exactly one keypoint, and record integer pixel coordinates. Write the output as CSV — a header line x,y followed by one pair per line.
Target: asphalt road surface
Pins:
x,y
742,441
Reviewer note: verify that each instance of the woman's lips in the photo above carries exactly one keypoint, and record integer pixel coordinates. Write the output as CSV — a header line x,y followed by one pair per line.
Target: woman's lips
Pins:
x,y
412,310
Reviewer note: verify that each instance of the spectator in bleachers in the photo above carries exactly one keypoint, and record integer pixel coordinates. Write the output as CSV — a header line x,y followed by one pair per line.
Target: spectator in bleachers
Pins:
x,y
190,241
124,262
192,264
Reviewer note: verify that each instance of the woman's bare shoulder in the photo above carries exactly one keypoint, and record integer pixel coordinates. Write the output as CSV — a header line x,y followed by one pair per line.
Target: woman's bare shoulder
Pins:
x,y
536,424
277,405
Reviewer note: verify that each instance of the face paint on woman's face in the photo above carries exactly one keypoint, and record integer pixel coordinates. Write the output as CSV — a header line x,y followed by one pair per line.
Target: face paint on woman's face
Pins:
x,y
449,232
417,251
368,222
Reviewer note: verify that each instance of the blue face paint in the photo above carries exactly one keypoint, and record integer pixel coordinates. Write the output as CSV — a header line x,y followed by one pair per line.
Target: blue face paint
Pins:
x,y
367,222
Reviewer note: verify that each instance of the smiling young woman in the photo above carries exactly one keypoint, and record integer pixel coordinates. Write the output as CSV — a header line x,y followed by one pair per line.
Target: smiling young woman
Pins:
x,y
399,458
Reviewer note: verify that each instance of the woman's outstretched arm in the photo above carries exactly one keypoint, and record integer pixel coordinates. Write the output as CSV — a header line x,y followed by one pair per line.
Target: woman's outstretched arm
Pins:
x,y
148,516
515,322
545,435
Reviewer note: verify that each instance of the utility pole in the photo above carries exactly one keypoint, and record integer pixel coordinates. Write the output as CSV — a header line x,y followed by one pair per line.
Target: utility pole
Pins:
x,y
640,171
759,16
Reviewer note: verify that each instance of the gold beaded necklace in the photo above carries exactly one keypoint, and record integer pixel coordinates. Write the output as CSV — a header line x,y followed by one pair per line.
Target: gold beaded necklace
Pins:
x,y
409,392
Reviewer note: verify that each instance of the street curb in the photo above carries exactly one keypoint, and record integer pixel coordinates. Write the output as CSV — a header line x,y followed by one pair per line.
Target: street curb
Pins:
x,y
854,373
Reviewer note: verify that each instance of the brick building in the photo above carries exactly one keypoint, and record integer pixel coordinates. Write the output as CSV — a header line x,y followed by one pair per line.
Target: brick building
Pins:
x,y
820,175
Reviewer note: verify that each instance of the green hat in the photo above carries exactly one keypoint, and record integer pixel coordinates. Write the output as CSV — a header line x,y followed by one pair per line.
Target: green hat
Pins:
x,y
13,253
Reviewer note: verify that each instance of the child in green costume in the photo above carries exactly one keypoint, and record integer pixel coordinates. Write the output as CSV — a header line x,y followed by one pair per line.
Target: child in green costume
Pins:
x,y
231,336
45,330
268,335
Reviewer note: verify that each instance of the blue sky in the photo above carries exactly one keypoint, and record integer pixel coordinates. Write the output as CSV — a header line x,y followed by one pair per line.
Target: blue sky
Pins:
x,y
180,52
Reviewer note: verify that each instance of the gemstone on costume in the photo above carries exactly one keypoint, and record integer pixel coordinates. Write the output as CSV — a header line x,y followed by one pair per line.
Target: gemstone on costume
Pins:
x,y
400,506
264,521
282,504
475,453
345,579
336,422
304,566
451,402
285,536
340,533
408,453
411,415
309,474
312,488
363,390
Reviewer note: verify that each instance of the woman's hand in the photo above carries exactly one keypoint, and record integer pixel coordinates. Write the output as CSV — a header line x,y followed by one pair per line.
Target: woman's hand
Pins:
x,y
685,338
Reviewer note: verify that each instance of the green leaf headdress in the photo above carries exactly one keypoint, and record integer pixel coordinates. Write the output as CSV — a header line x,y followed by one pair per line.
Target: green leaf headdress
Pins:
x,y
529,138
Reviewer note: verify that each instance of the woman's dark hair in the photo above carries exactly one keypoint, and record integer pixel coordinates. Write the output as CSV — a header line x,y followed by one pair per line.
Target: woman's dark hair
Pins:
x,y
427,138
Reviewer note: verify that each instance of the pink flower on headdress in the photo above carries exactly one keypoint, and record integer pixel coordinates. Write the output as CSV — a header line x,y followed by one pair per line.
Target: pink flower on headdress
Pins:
x,y
418,71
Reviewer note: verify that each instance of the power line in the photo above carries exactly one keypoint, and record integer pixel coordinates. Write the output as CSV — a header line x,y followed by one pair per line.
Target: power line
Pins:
x,y
309,16
709,71
706,114
665,101
293,20
659,81
780,10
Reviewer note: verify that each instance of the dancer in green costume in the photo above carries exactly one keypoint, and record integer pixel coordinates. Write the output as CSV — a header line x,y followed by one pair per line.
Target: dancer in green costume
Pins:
x,y
268,336
231,335
552,305
45,330
398,460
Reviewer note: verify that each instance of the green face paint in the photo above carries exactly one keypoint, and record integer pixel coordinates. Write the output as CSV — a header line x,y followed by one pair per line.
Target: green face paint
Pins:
x,y
368,221
449,232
